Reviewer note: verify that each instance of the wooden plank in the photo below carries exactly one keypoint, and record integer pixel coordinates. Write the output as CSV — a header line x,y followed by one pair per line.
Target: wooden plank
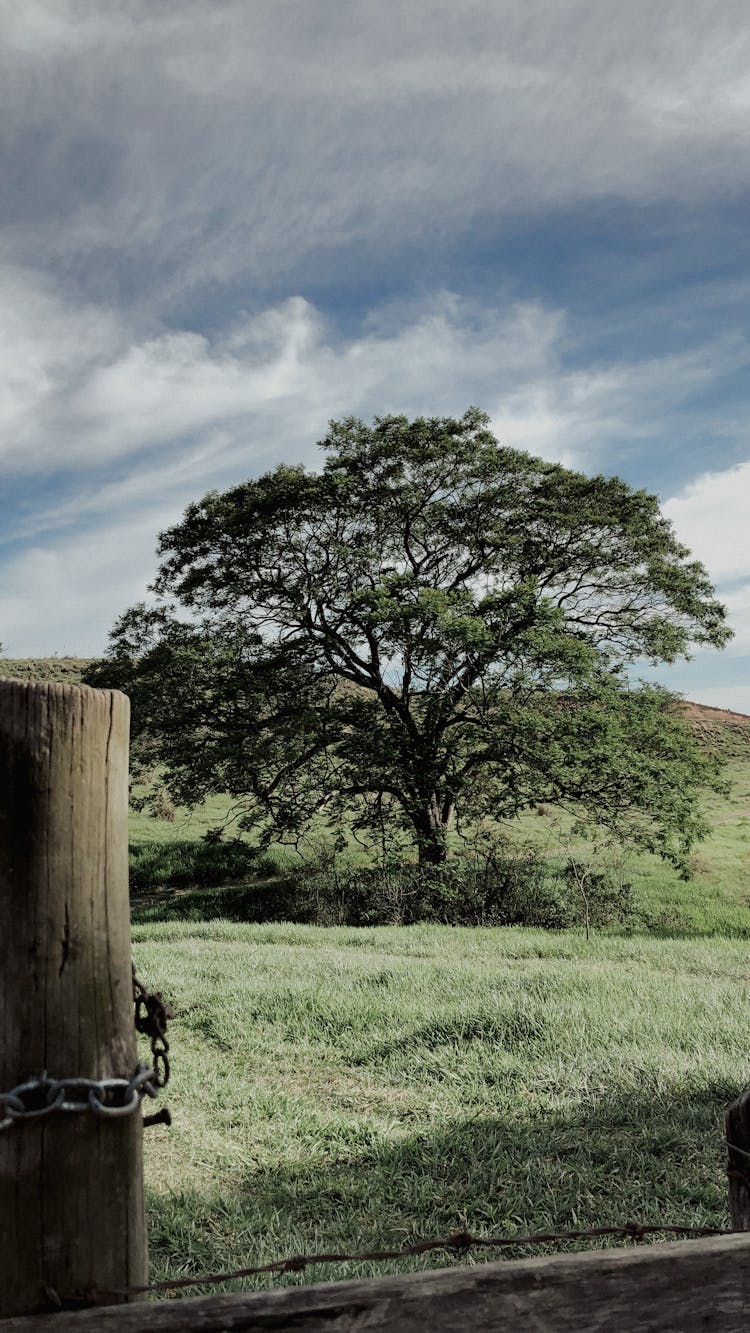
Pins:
x,y
71,1185
737,1128
685,1285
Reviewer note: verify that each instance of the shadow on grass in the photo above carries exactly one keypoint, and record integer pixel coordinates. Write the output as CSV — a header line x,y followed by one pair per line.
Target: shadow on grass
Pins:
x,y
606,1161
267,898
162,867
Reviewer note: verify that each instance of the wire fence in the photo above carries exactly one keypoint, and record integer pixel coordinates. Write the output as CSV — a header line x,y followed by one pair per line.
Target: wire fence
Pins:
x,y
459,1242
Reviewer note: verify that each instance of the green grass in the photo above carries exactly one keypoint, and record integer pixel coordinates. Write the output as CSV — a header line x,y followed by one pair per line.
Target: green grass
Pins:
x,y
339,1089
715,899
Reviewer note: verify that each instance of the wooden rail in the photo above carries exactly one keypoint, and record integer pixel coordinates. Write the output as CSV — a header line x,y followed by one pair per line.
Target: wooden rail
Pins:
x,y
683,1286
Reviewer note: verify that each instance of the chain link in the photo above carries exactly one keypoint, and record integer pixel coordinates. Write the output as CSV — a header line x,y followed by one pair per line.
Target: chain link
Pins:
x,y
106,1097
151,1017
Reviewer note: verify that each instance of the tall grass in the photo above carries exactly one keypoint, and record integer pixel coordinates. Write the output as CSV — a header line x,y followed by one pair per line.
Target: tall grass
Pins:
x,y
358,1088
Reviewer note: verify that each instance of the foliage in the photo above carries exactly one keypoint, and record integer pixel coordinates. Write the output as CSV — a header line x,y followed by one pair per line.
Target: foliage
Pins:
x,y
515,885
431,629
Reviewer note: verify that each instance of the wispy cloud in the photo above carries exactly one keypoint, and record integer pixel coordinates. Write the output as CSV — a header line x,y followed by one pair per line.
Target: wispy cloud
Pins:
x,y
82,392
225,143
207,209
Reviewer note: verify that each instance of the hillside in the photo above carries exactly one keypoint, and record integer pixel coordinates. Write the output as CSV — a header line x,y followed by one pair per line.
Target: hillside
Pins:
x,y
720,730
59,670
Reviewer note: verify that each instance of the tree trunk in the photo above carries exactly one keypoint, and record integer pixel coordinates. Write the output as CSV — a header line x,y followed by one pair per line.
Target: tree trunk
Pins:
x,y
433,853
431,825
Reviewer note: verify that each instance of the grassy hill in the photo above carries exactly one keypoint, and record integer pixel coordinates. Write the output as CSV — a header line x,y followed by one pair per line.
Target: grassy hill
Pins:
x,y
59,670
720,730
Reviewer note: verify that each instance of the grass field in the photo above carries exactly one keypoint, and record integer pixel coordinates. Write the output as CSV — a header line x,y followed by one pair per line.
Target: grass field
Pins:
x,y
339,1089
362,1088
356,1089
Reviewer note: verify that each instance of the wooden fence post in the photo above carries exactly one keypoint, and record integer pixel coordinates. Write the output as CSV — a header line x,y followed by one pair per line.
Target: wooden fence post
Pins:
x,y
737,1130
71,1184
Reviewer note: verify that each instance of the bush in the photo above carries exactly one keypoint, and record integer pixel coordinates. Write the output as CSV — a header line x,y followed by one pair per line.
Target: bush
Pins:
x,y
599,897
162,806
527,889
177,865
492,885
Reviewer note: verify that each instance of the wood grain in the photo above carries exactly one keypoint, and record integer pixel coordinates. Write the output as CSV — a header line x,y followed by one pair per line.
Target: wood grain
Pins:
x,y
71,1187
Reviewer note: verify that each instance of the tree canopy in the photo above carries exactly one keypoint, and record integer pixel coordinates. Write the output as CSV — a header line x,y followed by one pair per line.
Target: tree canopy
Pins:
x,y
433,627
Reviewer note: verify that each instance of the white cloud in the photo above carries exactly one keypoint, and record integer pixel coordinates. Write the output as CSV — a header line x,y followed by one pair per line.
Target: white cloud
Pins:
x,y
712,517
62,596
737,601
580,417
45,343
272,381
84,392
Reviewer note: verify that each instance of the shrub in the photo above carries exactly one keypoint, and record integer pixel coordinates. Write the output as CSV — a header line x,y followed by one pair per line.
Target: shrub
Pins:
x,y
162,806
598,897
525,889
186,864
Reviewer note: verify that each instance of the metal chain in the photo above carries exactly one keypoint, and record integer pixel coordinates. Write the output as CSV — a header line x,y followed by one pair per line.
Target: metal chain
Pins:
x,y
106,1097
151,1017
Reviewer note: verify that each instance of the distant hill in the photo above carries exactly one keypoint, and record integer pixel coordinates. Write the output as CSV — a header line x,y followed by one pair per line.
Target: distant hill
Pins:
x,y
720,730
701,713
60,670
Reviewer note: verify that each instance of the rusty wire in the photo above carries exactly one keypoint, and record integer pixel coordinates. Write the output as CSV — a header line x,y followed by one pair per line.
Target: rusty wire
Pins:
x,y
459,1243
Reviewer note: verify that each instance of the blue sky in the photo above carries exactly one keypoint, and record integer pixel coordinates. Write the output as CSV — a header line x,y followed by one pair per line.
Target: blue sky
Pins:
x,y
224,223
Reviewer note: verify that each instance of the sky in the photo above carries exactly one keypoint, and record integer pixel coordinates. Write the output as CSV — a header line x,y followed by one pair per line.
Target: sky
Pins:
x,y
225,222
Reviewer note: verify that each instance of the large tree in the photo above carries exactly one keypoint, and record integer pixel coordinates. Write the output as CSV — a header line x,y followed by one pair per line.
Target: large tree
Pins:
x,y
431,626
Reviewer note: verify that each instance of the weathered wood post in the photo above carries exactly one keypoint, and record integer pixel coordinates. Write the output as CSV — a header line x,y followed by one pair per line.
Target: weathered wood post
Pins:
x,y
71,1184
737,1130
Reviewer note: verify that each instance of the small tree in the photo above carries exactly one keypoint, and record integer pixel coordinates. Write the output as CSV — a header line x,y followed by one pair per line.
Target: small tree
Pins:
x,y
431,624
